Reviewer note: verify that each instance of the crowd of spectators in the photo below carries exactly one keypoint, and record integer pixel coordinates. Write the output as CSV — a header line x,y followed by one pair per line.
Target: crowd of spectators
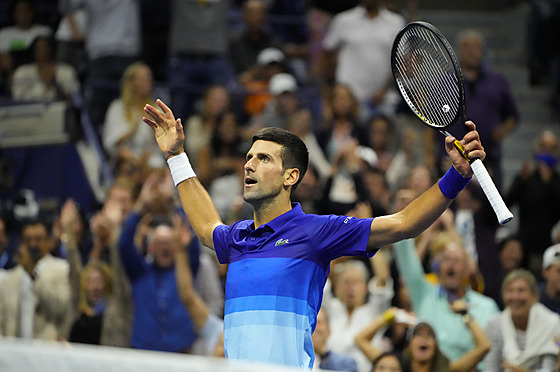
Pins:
x,y
462,296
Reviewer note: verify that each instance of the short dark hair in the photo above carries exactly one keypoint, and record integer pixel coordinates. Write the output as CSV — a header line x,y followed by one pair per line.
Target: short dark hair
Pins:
x,y
35,221
294,153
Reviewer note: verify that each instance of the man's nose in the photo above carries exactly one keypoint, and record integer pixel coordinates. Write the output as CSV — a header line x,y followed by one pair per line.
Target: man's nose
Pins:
x,y
249,165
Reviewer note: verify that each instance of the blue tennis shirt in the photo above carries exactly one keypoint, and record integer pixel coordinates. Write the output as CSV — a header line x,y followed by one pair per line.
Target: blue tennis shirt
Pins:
x,y
275,281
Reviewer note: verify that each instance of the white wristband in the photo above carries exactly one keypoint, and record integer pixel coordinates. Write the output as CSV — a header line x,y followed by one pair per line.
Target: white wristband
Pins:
x,y
180,167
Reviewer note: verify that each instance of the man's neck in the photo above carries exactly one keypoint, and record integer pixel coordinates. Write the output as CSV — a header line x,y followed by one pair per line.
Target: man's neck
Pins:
x,y
372,12
266,212
551,291
471,73
457,293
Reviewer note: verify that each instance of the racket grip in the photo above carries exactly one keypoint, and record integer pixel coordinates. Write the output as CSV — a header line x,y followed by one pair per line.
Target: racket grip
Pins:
x,y
502,212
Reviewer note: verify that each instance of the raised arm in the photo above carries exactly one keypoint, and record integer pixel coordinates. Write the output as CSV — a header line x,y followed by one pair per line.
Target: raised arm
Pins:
x,y
196,201
482,343
363,339
69,237
425,209
390,316
196,307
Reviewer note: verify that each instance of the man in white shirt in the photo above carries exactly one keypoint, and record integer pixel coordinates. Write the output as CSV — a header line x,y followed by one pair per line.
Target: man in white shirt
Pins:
x,y
15,40
35,296
358,42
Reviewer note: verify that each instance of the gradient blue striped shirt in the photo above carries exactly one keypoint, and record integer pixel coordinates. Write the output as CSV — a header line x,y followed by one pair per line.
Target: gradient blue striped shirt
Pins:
x,y
275,281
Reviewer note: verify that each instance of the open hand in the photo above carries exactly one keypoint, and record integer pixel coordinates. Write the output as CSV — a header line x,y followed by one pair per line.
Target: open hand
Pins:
x,y
168,130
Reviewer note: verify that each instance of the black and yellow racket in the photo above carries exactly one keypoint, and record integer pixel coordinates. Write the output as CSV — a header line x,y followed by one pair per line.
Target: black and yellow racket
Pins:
x,y
430,80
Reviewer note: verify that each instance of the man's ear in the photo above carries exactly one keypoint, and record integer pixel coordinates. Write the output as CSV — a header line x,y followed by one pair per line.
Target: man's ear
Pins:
x,y
291,177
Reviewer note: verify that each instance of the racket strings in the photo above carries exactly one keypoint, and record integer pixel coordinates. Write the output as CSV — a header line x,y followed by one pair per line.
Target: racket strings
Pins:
x,y
432,87
427,77
434,68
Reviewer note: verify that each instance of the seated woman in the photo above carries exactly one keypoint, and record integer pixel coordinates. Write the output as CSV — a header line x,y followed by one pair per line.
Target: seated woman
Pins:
x,y
124,133
523,333
45,79
422,353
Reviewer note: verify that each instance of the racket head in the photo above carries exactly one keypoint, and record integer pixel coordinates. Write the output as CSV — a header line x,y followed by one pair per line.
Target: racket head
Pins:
x,y
428,75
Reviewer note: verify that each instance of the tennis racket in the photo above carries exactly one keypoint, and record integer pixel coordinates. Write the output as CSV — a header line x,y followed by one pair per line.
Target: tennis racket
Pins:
x,y
430,80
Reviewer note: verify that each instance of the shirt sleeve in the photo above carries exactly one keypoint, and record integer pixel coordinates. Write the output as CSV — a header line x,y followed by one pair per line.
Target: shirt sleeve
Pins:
x,y
410,268
133,263
342,236
333,38
221,237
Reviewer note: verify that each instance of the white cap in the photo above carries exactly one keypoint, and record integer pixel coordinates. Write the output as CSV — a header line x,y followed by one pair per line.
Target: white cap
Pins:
x,y
270,55
551,256
282,82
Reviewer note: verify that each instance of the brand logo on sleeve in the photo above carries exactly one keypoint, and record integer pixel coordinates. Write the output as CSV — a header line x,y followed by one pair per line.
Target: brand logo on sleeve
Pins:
x,y
281,242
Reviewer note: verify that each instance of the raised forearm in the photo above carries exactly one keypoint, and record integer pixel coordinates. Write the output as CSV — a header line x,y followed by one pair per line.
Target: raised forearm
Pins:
x,y
411,221
200,209
196,307
363,339
470,359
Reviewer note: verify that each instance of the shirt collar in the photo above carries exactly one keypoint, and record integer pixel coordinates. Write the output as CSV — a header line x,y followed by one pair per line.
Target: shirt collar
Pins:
x,y
443,292
278,222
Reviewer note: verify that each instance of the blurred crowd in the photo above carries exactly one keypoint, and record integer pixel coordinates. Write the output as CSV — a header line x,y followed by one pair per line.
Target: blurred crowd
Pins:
x,y
464,295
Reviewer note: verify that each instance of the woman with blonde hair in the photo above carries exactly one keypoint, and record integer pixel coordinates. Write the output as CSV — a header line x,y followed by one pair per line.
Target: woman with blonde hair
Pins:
x,y
124,134
96,284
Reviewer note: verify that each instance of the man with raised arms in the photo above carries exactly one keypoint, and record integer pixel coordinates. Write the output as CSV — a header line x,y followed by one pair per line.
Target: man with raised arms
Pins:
x,y
279,261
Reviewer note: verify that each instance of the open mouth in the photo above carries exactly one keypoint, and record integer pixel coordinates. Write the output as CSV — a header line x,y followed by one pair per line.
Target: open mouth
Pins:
x,y
250,181
450,274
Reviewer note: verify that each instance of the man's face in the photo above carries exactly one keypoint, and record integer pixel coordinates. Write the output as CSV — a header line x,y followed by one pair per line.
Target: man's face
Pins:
x,y
471,52
34,242
453,267
351,288
162,246
264,177
254,14
552,277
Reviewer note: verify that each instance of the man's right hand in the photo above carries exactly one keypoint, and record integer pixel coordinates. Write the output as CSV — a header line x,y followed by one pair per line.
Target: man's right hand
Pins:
x,y
168,130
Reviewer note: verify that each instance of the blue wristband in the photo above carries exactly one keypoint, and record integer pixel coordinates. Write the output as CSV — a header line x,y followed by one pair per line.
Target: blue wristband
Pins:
x,y
452,183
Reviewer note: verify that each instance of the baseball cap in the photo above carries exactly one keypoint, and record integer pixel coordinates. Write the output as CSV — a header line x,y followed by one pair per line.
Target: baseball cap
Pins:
x,y
551,256
270,55
282,82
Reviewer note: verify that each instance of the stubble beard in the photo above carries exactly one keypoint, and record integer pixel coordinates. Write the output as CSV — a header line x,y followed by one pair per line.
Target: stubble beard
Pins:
x,y
259,199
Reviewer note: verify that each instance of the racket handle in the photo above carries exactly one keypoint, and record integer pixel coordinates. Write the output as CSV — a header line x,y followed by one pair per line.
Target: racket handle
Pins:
x,y
502,212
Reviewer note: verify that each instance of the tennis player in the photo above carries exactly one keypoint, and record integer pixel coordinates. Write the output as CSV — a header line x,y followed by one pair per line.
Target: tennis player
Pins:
x,y
279,261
